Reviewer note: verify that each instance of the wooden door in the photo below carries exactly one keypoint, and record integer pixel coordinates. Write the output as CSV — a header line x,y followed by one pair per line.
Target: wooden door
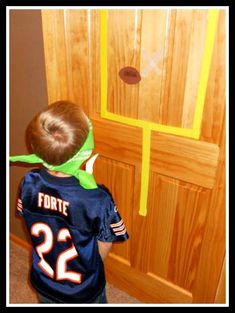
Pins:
x,y
161,141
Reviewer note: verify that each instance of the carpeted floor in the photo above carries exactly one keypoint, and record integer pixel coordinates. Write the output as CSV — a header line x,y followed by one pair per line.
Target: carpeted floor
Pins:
x,y
22,292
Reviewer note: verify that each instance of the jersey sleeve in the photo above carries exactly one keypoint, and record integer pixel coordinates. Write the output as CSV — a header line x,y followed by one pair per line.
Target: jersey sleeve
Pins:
x,y
19,202
111,225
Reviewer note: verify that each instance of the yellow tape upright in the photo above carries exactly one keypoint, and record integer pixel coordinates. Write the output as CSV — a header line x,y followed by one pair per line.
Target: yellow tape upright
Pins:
x,y
146,142
205,70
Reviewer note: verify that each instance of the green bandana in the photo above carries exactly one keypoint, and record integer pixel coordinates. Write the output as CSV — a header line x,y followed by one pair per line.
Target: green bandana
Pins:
x,y
72,166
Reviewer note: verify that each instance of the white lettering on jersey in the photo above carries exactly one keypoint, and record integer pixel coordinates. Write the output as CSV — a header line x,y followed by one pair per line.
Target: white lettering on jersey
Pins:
x,y
52,203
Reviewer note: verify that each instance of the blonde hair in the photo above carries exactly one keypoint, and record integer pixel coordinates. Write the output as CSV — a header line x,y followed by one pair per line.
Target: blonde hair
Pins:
x,y
58,132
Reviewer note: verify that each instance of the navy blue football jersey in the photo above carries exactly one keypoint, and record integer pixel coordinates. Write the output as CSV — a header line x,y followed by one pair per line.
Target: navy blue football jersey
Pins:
x,y
65,221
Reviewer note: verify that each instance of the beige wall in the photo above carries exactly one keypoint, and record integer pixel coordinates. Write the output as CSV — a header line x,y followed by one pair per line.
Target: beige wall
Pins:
x,y
28,93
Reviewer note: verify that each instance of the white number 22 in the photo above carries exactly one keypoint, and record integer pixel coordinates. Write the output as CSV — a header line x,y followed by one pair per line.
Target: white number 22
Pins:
x,y
63,257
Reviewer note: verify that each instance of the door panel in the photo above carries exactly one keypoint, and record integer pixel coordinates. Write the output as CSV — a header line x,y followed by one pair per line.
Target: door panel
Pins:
x,y
215,101
186,159
119,177
176,249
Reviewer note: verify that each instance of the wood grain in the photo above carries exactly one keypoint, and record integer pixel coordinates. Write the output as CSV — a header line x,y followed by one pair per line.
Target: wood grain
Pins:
x,y
186,159
174,108
215,102
214,239
176,224
167,66
122,52
188,231
119,179
76,39
21,242
196,49
161,218
148,288
55,54
153,35
221,290
94,63
175,254
118,142
139,229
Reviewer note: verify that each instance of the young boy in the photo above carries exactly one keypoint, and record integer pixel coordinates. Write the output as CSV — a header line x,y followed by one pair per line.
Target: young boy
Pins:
x,y
71,220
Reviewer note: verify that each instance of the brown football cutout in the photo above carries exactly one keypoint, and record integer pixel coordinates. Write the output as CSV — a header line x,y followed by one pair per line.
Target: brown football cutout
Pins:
x,y
129,75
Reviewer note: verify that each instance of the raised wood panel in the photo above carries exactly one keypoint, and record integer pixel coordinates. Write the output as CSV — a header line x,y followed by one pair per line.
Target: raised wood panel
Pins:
x,y
146,287
55,54
221,290
214,241
162,208
196,49
215,101
139,229
119,178
77,56
70,39
184,42
173,109
187,237
94,65
167,47
167,66
176,224
185,159
154,35
122,52
119,142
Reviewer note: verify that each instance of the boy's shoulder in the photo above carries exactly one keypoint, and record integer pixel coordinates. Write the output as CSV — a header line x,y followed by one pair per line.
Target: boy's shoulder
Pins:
x,y
105,191
32,172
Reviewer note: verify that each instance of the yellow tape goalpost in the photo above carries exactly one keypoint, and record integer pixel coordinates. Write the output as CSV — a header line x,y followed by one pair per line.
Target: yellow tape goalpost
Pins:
x,y
148,126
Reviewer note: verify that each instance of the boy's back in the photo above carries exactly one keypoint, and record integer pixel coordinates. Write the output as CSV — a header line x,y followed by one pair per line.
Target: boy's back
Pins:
x,y
65,221
71,220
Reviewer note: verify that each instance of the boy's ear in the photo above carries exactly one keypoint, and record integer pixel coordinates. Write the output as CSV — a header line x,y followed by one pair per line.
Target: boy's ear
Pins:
x,y
29,145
